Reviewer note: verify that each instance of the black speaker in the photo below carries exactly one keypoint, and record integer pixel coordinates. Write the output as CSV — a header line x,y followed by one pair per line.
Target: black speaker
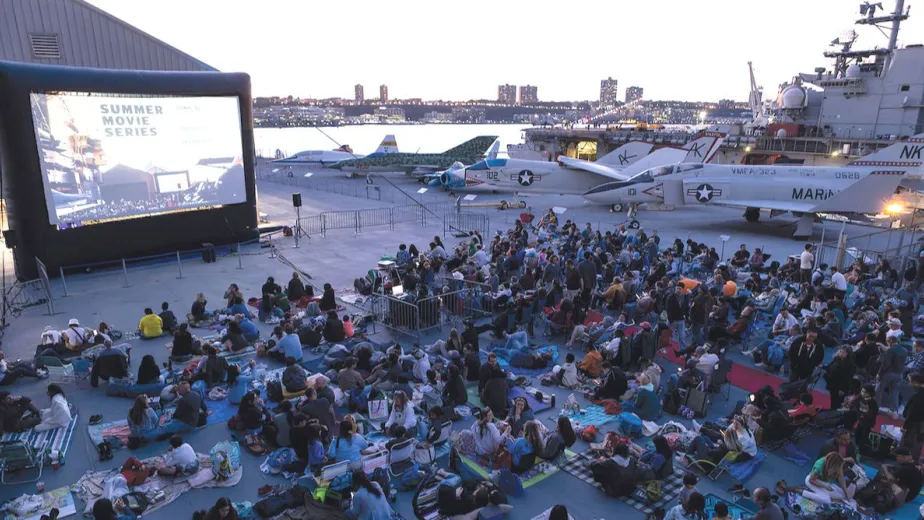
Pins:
x,y
297,200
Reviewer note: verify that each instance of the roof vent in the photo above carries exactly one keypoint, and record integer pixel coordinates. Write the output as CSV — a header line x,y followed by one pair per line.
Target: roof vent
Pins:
x,y
45,46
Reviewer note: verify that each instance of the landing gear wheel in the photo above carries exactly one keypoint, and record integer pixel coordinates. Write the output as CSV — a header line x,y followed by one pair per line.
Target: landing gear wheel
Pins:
x,y
634,224
752,214
368,180
522,204
452,194
617,208
503,204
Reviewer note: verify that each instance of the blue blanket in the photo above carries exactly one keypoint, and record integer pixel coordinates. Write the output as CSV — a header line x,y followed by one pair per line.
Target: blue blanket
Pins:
x,y
534,404
743,471
593,415
505,363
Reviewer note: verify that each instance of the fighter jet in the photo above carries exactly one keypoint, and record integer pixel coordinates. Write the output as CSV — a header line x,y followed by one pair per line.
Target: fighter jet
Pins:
x,y
870,185
328,157
574,176
468,152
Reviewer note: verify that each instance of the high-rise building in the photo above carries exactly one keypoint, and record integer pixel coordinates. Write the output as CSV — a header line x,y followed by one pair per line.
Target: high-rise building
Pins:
x,y
507,94
608,91
528,94
383,93
360,96
634,94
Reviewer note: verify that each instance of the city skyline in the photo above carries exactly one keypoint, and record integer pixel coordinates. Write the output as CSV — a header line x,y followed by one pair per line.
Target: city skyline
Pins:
x,y
694,54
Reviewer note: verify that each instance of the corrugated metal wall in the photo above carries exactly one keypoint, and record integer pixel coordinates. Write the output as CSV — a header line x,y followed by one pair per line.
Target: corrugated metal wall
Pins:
x,y
86,36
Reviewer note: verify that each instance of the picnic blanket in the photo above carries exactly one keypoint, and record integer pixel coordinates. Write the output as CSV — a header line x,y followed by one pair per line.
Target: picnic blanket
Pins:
x,y
534,404
59,498
592,415
800,433
91,485
812,509
743,471
505,364
58,439
537,474
579,466
734,510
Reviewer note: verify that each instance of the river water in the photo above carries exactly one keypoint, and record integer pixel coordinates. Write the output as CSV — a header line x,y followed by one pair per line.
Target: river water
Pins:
x,y
364,139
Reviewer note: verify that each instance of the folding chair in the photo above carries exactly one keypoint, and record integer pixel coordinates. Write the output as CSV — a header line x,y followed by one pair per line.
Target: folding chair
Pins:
x,y
625,351
332,471
19,456
81,371
707,467
374,461
649,346
401,457
58,372
445,433
719,378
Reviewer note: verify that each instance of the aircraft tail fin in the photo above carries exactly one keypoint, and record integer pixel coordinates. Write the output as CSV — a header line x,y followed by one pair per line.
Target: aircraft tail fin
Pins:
x,y
908,153
389,145
492,151
473,147
871,194
626,154
703,148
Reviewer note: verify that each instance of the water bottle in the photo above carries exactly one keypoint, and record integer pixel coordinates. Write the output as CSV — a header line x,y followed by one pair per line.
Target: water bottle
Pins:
x,y
393,494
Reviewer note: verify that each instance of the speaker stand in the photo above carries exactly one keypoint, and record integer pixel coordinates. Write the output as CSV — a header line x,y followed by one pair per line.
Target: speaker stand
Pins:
x,y
299,232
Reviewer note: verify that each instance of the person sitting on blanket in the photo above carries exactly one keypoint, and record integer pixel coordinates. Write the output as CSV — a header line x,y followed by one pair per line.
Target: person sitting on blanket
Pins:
x,y
843,444
385,374
222,510
617,475
198,312
806,409
59,415
167,318
143,421
104,510
296,290
555,443
402,414
184,345
212,368
268,309
328,300
333,328
693,509
518,353
659,459
348,446
520,414
234,340
455,393
825,483
17,413
150,325
315,406
369,500
287,347
294,377
592,364
180,459
646,405
523,450
486,438
11,372
307,440
769,510
904,477
735,443
148,371
76,338
248,328
189,409
615,383
252,413
495,392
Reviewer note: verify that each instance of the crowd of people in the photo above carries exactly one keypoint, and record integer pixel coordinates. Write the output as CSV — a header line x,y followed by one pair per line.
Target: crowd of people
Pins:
x,y
617,301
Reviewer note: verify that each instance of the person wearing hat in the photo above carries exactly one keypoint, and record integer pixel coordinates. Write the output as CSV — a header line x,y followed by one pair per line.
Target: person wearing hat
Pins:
x,y
76,338
889,378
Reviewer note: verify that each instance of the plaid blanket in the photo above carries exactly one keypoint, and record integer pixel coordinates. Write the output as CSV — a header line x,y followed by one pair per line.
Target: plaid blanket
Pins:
x,y
538,473
800,433
593,415
579,466
812,509
58,439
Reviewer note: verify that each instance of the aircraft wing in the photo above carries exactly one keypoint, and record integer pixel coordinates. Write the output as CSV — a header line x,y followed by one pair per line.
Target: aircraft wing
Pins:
x,y
598,169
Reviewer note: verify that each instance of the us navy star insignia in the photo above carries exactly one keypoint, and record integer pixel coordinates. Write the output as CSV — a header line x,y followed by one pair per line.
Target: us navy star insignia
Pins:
x,y
704,192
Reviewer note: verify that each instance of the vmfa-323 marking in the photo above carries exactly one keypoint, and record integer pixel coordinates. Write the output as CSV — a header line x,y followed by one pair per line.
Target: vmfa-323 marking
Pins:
x,y
800,184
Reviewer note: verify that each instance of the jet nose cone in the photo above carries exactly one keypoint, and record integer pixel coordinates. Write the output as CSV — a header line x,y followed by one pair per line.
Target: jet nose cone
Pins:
x,y
435,183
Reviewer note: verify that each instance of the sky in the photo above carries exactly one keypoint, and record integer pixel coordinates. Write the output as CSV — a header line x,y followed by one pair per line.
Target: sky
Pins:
x,y
459,50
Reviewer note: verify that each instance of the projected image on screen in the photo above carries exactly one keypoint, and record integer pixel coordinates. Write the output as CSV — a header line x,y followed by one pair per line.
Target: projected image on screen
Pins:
x,y
110,157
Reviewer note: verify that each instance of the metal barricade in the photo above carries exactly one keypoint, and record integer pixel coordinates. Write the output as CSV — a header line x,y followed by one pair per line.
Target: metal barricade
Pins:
x,y
477,299
341,220
463,222
313,225
396,314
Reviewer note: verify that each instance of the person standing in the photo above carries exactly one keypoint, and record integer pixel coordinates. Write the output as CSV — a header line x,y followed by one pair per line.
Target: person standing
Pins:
x,y
913,429
889,378
676,315
806,261
588,271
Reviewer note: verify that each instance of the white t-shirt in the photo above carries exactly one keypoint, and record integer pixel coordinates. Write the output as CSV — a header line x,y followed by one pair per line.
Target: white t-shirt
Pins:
x,y
182,456
613,346
786,323
806,260
839,281
748,444
76,335
706,363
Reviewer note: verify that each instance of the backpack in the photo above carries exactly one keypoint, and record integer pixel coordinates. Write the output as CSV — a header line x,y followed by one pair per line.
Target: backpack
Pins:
x,y
774,355
359,400
380,475
410,478
510,483
653,490
274,391
226,459
630,425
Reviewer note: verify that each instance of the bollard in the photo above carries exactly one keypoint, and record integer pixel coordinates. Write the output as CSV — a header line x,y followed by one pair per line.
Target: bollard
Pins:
x,y
240,265
63,281
179,266
125,272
